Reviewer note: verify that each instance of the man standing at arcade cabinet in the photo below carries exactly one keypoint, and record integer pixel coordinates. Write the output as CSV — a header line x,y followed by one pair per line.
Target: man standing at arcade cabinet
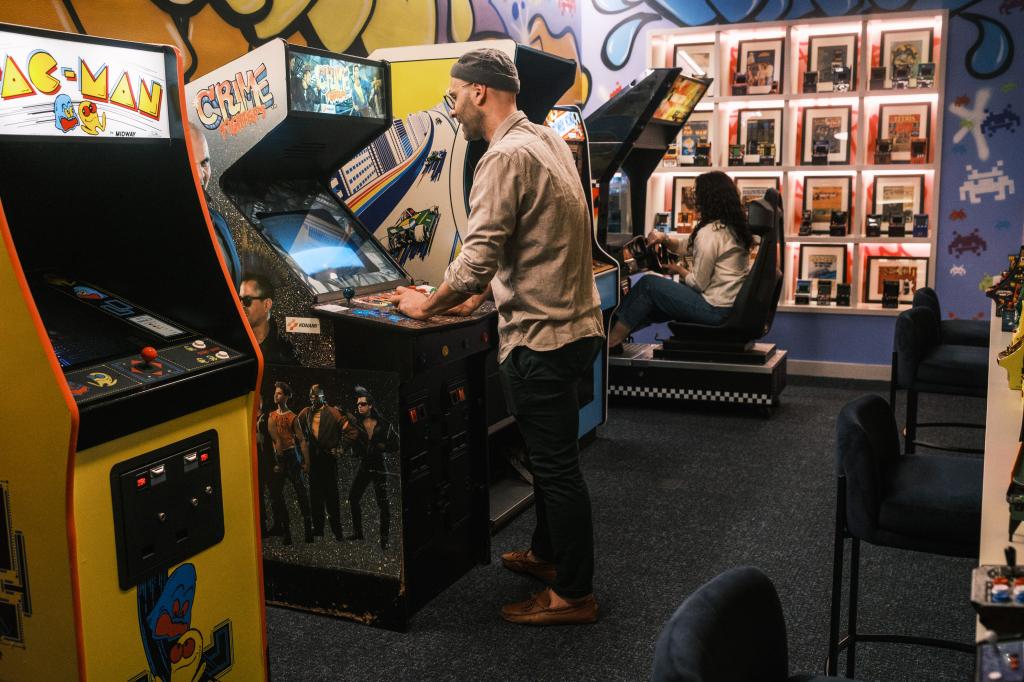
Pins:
x,y
528,242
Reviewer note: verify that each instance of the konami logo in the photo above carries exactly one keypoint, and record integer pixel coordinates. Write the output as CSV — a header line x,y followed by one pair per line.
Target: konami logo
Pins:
x,y
302,325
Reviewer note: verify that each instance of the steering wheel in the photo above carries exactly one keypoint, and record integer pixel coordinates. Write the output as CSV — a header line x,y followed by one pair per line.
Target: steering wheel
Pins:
x,y
650,257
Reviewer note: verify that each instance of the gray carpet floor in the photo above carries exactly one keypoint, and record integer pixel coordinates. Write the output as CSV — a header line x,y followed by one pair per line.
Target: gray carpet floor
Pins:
x,y
679,495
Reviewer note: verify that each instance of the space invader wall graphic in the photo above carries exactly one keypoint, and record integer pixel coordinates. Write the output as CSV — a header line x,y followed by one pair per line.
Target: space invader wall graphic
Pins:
x,y
981,209
980,213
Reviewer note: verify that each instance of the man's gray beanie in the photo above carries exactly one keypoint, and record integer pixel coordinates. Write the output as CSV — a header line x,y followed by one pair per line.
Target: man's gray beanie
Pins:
x,y
489,67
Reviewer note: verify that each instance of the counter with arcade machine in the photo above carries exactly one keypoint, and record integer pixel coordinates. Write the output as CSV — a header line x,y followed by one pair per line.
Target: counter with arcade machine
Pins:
x,y
411,187
629,135
128,538
374,429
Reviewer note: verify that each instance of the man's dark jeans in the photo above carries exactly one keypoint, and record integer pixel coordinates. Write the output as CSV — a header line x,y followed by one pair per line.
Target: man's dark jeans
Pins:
x,y
541,392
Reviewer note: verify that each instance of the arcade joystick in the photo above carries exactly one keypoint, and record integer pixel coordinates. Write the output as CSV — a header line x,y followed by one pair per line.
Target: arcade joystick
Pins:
x,y
148,355
348,293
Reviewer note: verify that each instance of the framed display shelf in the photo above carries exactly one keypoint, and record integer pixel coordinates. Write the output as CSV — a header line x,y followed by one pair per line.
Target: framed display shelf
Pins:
x,y
895,168
824,96
894,240
820,239
781,51
787,306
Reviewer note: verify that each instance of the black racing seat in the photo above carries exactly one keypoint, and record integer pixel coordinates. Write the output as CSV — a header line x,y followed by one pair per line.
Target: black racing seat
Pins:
x,y
754,309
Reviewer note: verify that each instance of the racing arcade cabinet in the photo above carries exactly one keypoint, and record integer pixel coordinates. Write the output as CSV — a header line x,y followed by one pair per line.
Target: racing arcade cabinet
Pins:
x,y
128,541
629,135
421,382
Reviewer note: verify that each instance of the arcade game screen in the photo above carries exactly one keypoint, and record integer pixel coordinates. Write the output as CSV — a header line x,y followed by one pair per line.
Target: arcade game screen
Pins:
x,y
84,326
568,124
327,85
681,99
328,249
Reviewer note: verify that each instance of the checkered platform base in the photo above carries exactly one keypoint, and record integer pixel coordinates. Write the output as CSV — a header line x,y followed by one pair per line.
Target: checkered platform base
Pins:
x,y
667,393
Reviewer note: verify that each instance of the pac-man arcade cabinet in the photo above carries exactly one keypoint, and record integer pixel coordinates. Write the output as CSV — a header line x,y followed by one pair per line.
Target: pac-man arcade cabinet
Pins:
x,y
128,541
391,506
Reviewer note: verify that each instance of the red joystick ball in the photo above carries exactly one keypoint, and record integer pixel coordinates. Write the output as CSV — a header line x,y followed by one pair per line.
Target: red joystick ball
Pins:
x,y
148,354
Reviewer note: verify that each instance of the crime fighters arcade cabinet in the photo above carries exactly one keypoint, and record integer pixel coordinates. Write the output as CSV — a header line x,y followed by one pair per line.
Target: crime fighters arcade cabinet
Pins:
x,y
128,540
381,500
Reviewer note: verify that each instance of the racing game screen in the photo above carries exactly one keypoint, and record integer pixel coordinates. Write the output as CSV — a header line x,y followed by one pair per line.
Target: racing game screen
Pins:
x,y
681,99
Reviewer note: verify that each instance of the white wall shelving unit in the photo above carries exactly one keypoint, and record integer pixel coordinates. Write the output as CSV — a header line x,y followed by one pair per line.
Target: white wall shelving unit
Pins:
x,y
864,104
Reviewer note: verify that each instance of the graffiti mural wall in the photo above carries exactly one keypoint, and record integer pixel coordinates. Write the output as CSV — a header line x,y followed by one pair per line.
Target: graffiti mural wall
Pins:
x,y
982,209
211,33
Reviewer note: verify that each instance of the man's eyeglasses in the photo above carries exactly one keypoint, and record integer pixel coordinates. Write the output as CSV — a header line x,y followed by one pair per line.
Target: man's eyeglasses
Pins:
x,y
449,96
362,404
247,300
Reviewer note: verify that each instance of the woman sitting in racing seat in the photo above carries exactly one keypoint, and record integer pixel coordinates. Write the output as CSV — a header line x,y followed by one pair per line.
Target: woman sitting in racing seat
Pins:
x,y
719,250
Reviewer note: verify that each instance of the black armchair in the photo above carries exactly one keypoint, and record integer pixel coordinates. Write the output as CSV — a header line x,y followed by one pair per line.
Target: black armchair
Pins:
x,y
958,332
731,630
921,363
922,503
754,309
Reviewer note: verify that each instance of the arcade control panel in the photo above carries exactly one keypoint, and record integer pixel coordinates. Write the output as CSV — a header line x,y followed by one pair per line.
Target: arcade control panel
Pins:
x,y
377,307
997,594
108,345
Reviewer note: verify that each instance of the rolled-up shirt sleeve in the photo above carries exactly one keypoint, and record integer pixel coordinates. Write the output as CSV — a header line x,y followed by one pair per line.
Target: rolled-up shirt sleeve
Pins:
x,y
493,208
677,242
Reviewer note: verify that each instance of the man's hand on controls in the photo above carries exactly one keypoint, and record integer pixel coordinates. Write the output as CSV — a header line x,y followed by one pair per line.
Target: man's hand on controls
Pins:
x,y
415,304
410,302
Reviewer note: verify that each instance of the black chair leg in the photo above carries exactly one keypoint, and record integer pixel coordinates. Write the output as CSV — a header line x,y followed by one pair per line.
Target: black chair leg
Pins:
x,y
911,433
892,385
832,662
851,618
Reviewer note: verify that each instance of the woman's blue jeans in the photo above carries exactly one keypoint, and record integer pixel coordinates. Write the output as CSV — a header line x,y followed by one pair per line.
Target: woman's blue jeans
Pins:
x,y
659,299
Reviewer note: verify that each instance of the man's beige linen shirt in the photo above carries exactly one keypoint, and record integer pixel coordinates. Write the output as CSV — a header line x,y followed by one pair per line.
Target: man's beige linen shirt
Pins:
x,y
529,236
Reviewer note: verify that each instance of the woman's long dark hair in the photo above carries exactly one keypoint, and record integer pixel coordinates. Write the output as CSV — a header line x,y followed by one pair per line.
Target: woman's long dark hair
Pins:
x,y
719,200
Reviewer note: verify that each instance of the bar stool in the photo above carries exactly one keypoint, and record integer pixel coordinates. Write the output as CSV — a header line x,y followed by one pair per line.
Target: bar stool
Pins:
x,y
921,363
959,332
924,503
731,628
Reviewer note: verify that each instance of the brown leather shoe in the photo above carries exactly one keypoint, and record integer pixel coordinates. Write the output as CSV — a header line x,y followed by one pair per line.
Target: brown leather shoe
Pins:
x,y
537,610
522,561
